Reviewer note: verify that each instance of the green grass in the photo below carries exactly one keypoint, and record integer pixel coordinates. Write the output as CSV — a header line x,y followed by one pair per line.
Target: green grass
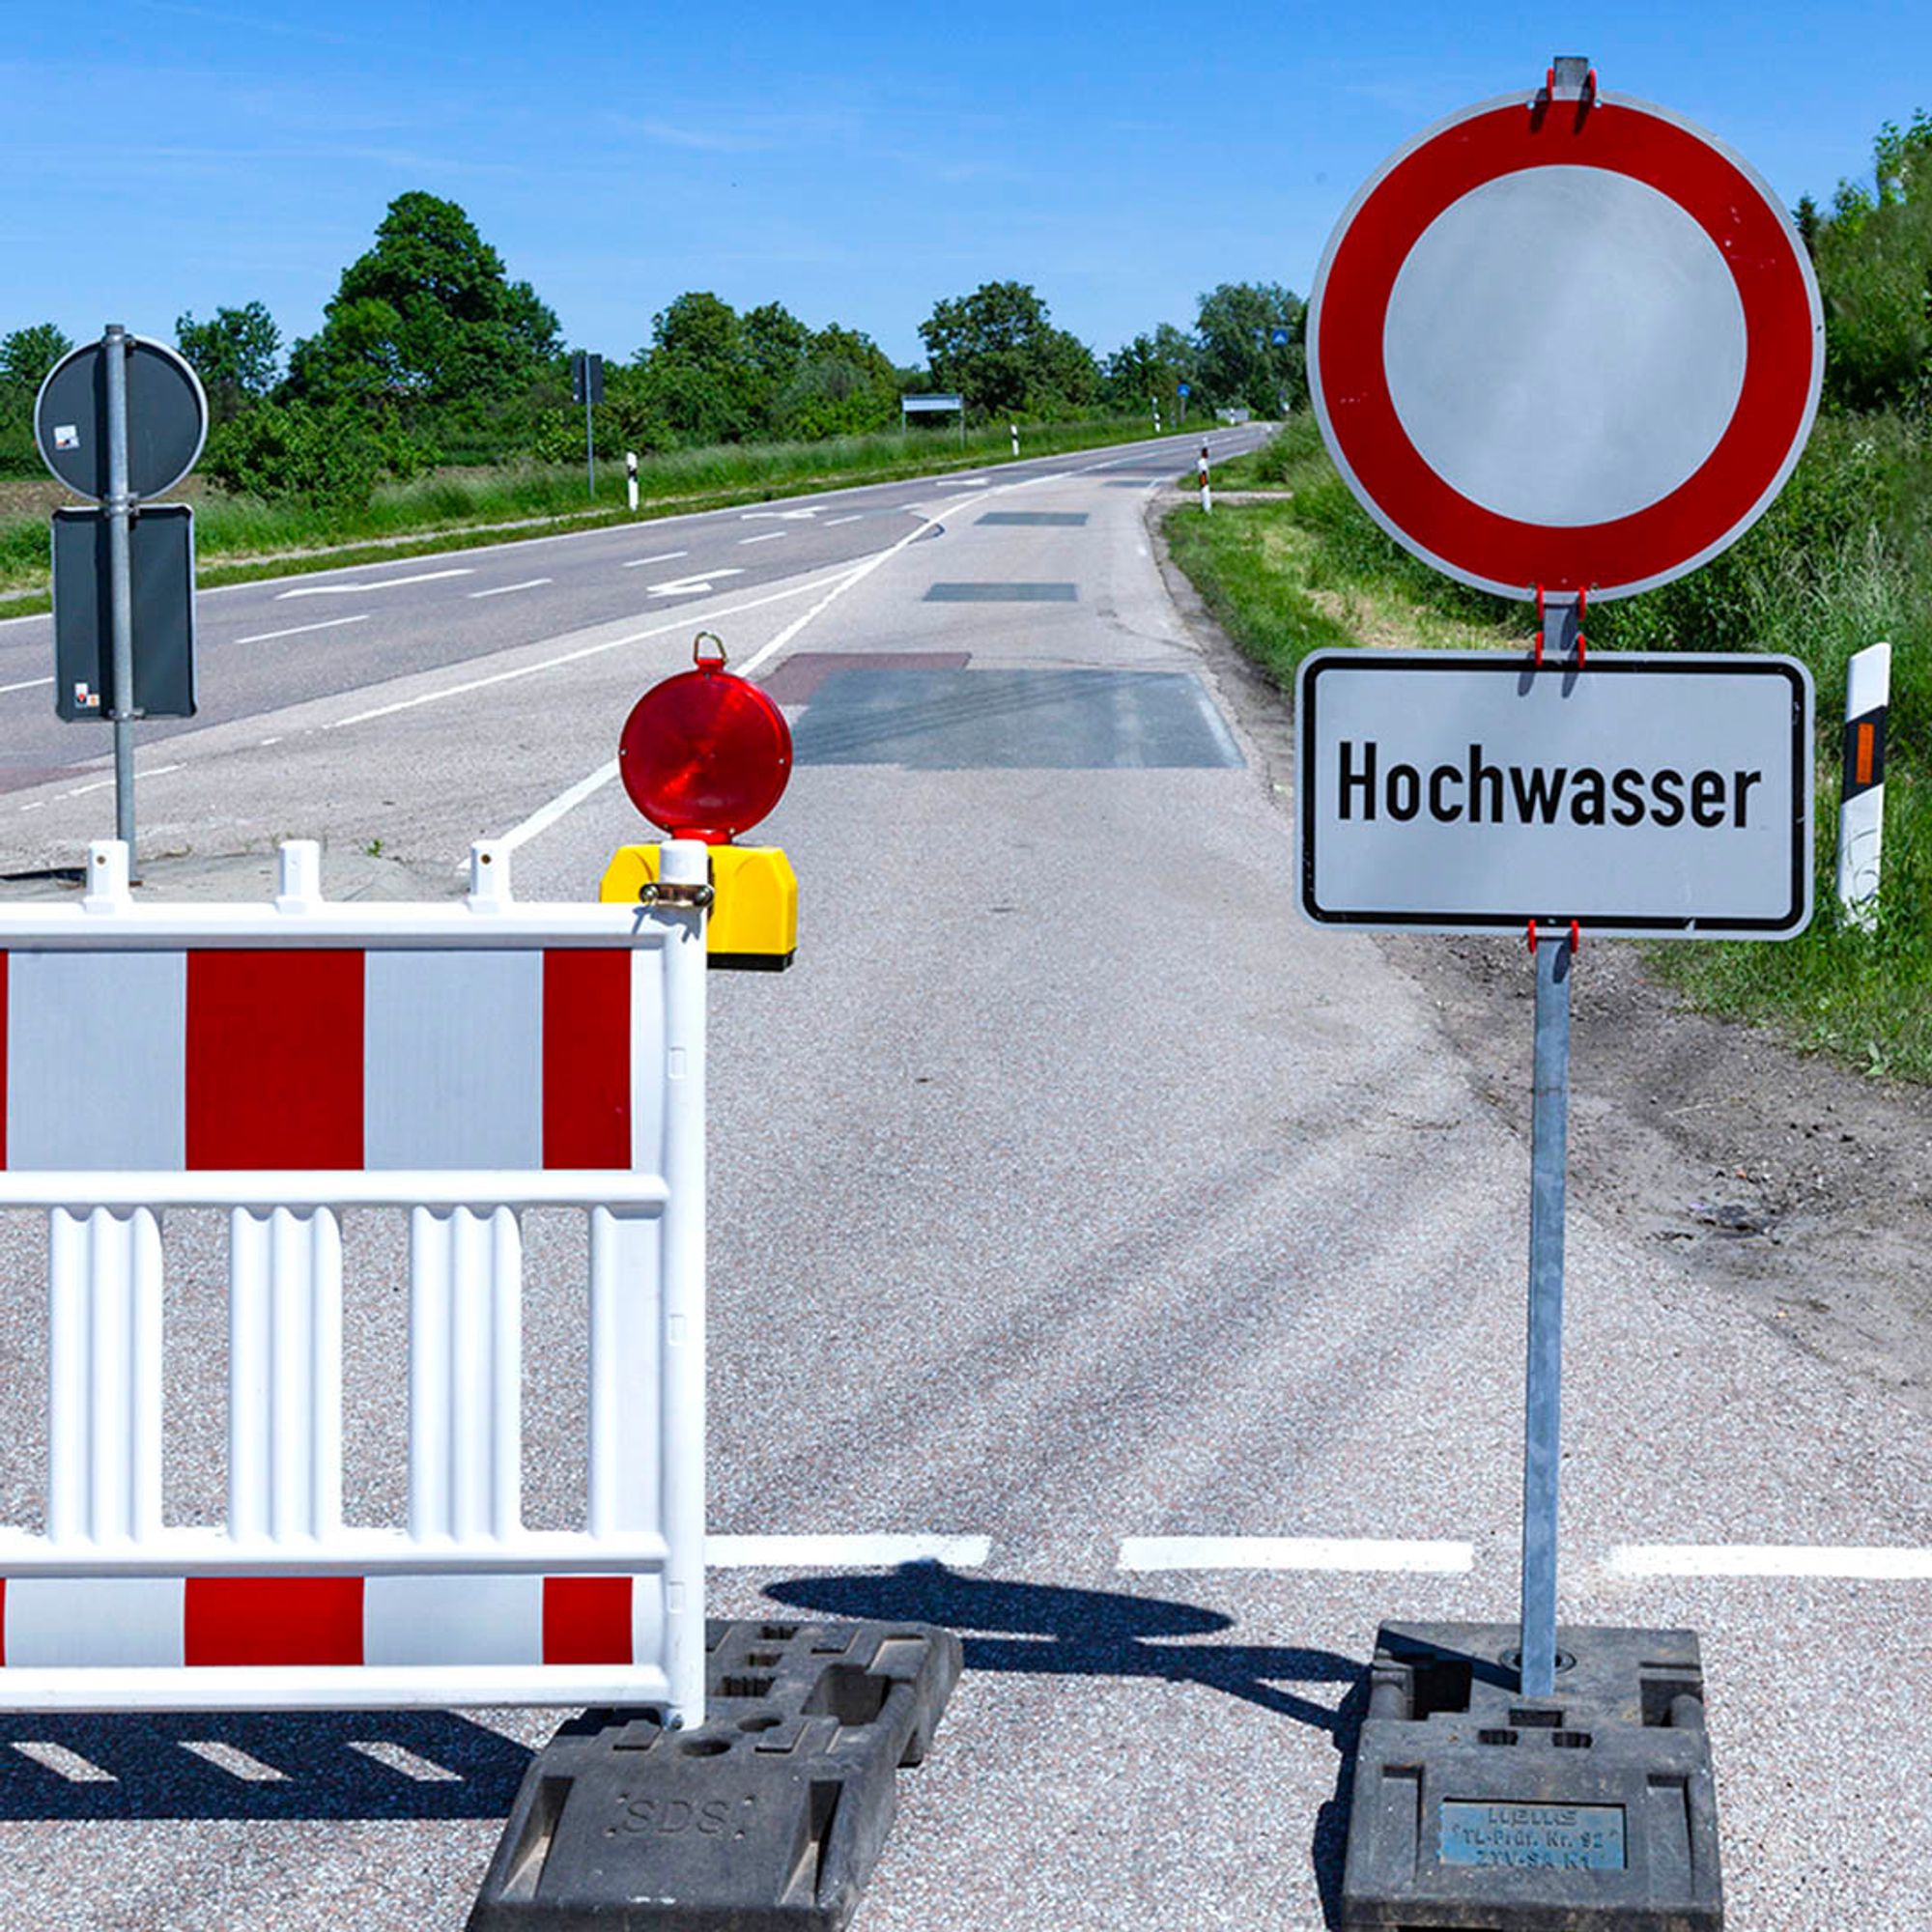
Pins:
x,y
239,538
1841,560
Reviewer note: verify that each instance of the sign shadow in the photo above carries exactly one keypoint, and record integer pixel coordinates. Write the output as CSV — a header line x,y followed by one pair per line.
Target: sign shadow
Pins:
x,y
1048,1630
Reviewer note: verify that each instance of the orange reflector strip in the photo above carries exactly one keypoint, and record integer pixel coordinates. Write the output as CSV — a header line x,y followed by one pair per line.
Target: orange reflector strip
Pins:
x,y
1863,758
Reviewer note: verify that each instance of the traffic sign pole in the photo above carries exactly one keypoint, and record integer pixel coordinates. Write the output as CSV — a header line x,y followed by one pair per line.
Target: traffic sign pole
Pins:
x,y
1543,1403
121,585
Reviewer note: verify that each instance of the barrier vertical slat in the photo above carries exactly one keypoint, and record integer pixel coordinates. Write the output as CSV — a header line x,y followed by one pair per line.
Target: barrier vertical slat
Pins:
x,y
285,1373
685,861
250,1435
465,1371
626,1316
105,1375
430,1240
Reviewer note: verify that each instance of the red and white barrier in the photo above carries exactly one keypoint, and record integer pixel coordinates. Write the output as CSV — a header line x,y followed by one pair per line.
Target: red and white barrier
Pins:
x,y
462,1062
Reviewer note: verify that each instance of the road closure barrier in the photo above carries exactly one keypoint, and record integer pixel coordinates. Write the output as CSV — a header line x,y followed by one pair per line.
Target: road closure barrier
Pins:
x,y
456,1064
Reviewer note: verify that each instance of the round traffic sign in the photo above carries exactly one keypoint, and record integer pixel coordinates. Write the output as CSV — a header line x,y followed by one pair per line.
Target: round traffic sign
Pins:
x,y
167,419
705,754
1575,345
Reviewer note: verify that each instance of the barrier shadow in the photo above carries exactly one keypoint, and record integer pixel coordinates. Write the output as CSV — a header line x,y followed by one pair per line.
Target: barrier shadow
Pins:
x,y
304,1765
1048,1630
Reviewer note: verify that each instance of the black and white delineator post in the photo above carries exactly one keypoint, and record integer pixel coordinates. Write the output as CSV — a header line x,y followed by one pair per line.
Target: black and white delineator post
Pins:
x,y
1862,797
1549,1776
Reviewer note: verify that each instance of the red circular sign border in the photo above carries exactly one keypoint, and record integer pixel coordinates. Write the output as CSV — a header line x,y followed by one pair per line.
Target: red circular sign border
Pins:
x,y
1666,538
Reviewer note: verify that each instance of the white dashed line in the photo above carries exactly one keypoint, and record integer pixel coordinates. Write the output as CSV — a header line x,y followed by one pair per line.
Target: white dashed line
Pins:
x,y
504,590
25,684
101,785
663,556
765,536
328,624
833,523
64,1763
236,1762
1295,1553
858,1553
378,584
1894,1564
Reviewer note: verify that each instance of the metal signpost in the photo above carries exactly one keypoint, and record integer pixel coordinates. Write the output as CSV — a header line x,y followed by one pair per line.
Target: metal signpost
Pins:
x,y
122,420
586,386
1564,348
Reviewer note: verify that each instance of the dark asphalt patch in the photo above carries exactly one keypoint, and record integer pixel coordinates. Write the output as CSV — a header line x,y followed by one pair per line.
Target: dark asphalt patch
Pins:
x,y
928,719
1060,520
797,678
1003,593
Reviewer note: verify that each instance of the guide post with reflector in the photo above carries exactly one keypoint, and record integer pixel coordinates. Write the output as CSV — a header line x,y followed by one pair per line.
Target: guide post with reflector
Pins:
x,y
706,754
1861,803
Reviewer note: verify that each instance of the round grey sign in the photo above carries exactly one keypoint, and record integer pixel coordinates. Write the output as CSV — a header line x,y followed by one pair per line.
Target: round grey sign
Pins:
x,y
167,419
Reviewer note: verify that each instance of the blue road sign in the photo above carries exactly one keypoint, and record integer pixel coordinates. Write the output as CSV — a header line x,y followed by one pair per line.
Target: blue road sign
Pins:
x,y
1183,388
1279,337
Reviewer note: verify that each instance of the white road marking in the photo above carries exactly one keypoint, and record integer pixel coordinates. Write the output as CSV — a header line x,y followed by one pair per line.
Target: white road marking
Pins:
x,y
859,1552
328,624
101,785
1295,1553
65,1763
1893,1565
504,590
25,684
968,482
586,651
833,523
663,556
765,536
786,516
690,586
394,1758
237,1763
547,815
379,584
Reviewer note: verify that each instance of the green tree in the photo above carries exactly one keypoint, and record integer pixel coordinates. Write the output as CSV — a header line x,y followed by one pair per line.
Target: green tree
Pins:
x,y
328,458
1242,364
696,377
997,347
1874,262
843,385
1151,369
236,353
428,317
27,355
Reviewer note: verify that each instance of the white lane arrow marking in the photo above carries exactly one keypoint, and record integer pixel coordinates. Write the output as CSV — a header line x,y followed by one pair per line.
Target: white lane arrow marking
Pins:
x,y
381,584
689,586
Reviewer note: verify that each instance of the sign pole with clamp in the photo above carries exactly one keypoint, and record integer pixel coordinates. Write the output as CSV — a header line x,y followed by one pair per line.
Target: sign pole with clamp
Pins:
x,y
121,587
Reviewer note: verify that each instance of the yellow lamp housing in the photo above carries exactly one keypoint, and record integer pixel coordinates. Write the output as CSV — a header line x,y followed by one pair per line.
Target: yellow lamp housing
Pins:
x,y
753,924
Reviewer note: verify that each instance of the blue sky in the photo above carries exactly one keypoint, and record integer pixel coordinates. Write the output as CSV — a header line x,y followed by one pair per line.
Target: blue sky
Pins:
x,y
855,162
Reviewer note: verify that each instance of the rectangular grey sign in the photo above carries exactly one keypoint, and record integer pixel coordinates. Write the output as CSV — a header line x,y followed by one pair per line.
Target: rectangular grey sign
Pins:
x,y
1661,794
1532,1837
160,549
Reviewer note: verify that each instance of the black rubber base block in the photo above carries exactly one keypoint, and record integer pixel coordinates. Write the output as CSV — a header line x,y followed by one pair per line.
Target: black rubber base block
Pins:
x,y
1592,1810
770,1815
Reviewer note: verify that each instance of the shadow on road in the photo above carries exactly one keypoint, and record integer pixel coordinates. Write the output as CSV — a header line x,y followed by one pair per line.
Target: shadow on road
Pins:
x,y
364,1764
1047,1629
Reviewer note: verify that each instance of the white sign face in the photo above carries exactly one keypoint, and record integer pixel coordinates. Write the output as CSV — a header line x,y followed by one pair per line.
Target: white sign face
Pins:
x,y
1467,791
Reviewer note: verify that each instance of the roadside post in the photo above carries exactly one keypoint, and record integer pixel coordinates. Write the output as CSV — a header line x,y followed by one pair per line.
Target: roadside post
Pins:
x,y
630,479
122,420
1862,792
1207,496
1154,401
586,386
1563,454
1013,429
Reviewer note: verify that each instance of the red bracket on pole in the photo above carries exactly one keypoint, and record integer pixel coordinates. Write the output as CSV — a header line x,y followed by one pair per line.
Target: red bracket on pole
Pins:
x,y
1582,610
1576,938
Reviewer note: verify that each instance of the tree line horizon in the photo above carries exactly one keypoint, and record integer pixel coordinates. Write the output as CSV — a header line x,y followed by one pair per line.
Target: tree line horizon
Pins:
x,y
430,353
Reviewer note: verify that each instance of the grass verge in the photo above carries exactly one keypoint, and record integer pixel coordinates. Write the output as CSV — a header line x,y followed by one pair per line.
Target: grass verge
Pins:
x,y
239,539
1842,560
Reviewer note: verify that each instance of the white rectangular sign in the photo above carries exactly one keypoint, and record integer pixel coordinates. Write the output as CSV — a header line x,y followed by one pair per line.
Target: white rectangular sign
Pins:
x,y
1668,795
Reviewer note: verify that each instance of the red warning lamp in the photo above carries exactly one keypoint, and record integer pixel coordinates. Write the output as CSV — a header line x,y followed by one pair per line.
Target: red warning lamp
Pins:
x,y
705,754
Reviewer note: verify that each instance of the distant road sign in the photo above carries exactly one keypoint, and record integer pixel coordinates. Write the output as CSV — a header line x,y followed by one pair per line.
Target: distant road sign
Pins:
x,y
1575,343
914,406
1448,791
1181,389
1278,337
161,548
167,419
587,377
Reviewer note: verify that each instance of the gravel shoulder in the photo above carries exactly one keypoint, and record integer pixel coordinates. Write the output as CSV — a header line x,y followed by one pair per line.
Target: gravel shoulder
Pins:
x,y
1785,1179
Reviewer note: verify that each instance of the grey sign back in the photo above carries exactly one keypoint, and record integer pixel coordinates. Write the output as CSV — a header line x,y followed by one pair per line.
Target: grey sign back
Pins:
x,y
167,419
160,543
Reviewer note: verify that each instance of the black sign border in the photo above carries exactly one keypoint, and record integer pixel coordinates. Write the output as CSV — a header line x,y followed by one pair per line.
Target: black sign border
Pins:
x,y
1786,925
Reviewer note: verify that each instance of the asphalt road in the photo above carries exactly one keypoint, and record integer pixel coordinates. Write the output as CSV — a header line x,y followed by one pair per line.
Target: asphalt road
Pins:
x,y
1068,1193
